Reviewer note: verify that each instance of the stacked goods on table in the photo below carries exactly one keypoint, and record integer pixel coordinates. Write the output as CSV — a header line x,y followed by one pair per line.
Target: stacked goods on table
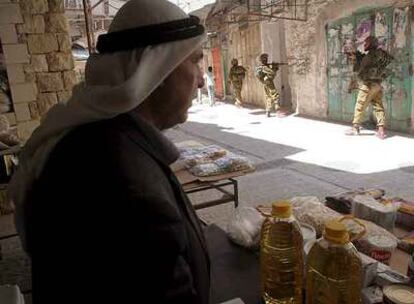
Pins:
x,y
405,215
366,204
212,160
343,202
372,205
375,243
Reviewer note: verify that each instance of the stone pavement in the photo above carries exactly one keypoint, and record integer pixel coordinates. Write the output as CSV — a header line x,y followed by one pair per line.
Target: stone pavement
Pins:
x,y
296,156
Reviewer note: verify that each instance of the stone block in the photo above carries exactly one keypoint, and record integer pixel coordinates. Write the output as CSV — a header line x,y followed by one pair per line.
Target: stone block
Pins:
x,y
11,117
8,34
56,23
45,101
22,112
39,63
23,92
43,43
34,111
15,73
16,53
56,6
22,38
25,129
34,24
64,96
34,6
10,13
69,79
30,77
60,61
50,82
64,42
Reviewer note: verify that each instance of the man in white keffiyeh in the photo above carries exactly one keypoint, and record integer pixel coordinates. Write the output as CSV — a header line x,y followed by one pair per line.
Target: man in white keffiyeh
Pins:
x,y
94,194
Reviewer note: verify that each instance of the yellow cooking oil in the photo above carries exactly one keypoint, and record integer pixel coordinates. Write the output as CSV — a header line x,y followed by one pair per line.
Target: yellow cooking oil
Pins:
x,y
333,270
281,257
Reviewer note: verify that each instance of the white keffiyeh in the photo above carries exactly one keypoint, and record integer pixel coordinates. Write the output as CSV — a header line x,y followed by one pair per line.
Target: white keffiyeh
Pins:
x,y
115,83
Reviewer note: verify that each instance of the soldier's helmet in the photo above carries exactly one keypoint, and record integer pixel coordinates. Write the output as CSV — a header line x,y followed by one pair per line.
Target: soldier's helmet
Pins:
x,y
263,56
234,61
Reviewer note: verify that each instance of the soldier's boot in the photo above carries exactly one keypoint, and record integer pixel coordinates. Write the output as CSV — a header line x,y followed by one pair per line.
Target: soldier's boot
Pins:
x,y
380,132
353,131
268,113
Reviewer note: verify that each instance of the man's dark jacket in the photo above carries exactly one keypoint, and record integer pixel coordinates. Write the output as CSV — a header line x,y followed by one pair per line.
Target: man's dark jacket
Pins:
x,y
108,222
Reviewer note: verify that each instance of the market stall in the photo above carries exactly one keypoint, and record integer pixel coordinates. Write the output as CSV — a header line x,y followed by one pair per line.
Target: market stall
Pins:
x,y
210,167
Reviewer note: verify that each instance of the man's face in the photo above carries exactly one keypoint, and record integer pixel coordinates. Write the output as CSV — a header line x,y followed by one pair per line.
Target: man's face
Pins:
x,y
264,59
235,62
179,89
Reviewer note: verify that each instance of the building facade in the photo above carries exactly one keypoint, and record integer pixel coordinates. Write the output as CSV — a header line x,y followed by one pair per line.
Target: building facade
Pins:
x,y
316,80
103,11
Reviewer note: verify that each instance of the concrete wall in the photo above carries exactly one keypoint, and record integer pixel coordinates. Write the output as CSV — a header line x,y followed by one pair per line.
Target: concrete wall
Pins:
x,y
306,48
273,43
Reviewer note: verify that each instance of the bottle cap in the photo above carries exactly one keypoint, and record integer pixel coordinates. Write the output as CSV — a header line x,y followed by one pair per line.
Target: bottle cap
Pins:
x,y
336,232
282,209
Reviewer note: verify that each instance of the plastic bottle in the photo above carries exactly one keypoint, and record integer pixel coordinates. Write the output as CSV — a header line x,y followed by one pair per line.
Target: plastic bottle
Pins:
x,y
334,269
281,257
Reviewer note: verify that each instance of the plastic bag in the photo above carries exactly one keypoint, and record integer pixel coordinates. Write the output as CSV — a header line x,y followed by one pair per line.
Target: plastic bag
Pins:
x,y
310,210
245,226
383,213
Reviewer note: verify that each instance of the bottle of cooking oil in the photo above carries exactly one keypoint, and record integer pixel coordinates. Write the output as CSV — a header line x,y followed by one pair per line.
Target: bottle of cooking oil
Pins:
x,y
281,257
333,270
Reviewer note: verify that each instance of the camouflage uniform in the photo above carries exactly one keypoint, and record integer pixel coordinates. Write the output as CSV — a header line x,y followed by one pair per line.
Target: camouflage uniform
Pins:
x,y
266,73
371,71
236,76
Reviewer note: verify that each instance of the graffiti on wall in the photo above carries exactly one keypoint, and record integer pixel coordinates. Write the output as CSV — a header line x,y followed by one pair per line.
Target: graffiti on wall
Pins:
x,y
391,26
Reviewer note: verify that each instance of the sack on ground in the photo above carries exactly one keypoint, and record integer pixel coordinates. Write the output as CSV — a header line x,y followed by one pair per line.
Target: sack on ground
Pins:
x,y
245,226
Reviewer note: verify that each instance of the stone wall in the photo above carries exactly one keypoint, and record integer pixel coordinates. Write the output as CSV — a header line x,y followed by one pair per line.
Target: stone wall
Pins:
x,y
37,50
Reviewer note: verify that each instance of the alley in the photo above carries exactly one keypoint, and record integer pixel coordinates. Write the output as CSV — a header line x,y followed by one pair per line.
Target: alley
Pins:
x,y
296,156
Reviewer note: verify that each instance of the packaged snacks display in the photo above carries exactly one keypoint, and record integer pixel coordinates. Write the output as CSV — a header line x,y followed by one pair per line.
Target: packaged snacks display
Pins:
x,y
382,213
193,156
225,164
212,160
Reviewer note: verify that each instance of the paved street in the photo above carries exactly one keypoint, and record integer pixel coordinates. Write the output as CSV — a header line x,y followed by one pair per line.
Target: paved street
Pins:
x,y
296,156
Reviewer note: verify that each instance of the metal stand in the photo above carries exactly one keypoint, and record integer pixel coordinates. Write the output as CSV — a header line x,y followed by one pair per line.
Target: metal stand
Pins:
x,y
219,186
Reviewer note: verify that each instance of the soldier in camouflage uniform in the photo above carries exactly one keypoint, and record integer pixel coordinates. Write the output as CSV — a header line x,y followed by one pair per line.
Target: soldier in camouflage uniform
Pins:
x,y
266,73
236,76
370,70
